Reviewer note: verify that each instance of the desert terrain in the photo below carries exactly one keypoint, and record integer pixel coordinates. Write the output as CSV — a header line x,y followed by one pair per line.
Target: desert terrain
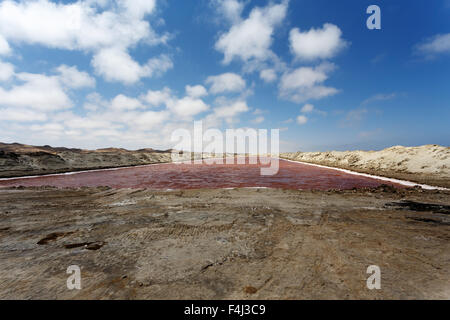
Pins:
x,y
224,244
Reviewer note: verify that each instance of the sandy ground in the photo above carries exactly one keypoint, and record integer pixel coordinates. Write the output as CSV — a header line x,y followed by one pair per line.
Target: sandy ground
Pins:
x,y
428,164
224,244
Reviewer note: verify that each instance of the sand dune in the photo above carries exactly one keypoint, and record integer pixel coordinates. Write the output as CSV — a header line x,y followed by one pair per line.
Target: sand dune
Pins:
x,y
429,164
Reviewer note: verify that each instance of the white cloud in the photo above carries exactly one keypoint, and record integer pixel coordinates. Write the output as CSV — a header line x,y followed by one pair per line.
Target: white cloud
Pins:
x,y
307,108
314,44
305,77
47,127
187,107
301,120
231,110
37,91
138,8
73,78
94,102
379,97
115,64
21,115
4,46
196,91
157,97
439,44
78,25
227,82
76,122
268,75
149,119
231,10
105,29
122,102
258,120
305,83
40,92
252,38
6,71
158,65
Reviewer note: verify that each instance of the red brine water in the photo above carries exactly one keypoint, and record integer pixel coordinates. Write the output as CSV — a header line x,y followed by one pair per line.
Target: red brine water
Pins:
x,y
291,175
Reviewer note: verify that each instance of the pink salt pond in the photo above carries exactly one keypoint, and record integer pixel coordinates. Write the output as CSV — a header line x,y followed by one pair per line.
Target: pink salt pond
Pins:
x,y
291,175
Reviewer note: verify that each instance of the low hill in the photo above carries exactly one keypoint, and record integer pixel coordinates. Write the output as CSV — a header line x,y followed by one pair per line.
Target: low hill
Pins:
x,y
22,160
429,164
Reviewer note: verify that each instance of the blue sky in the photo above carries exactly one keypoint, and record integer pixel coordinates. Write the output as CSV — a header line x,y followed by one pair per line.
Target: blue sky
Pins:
x,y
127,73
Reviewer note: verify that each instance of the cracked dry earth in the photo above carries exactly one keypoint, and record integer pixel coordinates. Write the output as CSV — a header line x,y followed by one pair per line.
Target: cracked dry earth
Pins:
x,y
224,244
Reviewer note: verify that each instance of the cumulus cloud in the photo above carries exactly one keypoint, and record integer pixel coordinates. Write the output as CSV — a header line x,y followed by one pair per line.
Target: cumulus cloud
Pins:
x,y
196,91
21,115
135,110
228,110
252,38
314,44
138,8
187,107
258,120
105,29
48,127
439,44
301,119
157,97
73,78
115,64
36,91
4,46
307,108
268,75
306,83
6,71
231,10
227,82
76,122
29,92
94,101
78,25
149,119
122,102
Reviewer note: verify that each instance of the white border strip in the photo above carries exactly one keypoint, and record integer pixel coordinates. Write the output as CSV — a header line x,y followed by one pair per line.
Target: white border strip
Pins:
x,y
402,182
